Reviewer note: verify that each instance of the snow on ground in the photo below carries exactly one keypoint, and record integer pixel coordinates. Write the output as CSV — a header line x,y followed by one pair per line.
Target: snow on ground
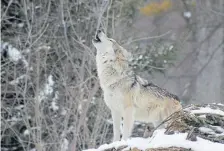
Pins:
x,y
206,130
179,140
160,139
207,109
219,129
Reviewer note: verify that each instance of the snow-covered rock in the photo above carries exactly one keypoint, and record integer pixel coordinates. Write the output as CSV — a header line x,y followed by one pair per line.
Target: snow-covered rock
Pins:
x,y
196,128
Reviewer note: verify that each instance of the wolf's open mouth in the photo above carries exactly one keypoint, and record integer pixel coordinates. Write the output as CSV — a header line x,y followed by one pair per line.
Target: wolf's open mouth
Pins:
x,y
97,39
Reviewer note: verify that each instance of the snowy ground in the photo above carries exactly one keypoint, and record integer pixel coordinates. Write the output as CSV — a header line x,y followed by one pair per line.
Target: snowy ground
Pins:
x,y
159,139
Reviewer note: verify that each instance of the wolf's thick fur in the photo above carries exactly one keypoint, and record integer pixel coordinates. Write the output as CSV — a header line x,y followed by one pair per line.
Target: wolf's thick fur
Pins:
x,y
126,94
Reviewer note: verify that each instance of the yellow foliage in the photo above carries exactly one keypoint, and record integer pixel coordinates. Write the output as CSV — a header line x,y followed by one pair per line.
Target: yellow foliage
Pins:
x,y
156,7
193,3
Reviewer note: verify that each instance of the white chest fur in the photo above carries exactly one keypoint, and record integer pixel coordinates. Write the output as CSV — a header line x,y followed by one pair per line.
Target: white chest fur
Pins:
x,y
113,100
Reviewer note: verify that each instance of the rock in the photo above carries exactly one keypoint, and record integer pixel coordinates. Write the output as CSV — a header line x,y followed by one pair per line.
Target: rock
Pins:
x,y
195,123
169,149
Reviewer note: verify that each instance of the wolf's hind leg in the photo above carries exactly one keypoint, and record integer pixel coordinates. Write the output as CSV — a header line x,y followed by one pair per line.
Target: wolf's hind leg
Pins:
x,y
128,122
116,125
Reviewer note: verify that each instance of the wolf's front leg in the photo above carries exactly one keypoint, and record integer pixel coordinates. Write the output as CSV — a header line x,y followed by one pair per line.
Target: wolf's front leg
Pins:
x,y
116,125
128,122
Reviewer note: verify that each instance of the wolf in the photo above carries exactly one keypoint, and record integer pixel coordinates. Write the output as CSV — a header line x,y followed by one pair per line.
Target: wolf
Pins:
x,y
127,95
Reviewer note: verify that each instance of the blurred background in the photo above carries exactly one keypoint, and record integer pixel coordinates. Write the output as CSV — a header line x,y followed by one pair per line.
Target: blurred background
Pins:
x,y
50,94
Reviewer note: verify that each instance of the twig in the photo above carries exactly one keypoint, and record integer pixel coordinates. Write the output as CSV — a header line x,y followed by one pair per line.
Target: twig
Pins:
x,y
147,38
101,12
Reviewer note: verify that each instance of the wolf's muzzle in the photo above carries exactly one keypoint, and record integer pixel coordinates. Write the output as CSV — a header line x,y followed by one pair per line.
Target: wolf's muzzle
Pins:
x,y
97,39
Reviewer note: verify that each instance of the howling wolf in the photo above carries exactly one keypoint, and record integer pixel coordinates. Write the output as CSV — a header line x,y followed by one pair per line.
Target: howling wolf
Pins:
x,y
126,94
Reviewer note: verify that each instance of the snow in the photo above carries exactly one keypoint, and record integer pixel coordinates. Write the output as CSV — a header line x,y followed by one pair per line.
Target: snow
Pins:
x,y
112,145
17,80
206,130
207,110
179,140
20,25
220,104
63,112
48,88
159,139
171,47
202,116
50,84
3,46
13,53
36,7
27,50
64,146
19,107
26,132
80,107
54,106
187,14
43,48
218,128
140,57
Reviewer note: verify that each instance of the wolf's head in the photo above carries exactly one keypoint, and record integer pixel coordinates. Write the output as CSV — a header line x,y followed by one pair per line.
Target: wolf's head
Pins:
x,y
112,62
109,47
